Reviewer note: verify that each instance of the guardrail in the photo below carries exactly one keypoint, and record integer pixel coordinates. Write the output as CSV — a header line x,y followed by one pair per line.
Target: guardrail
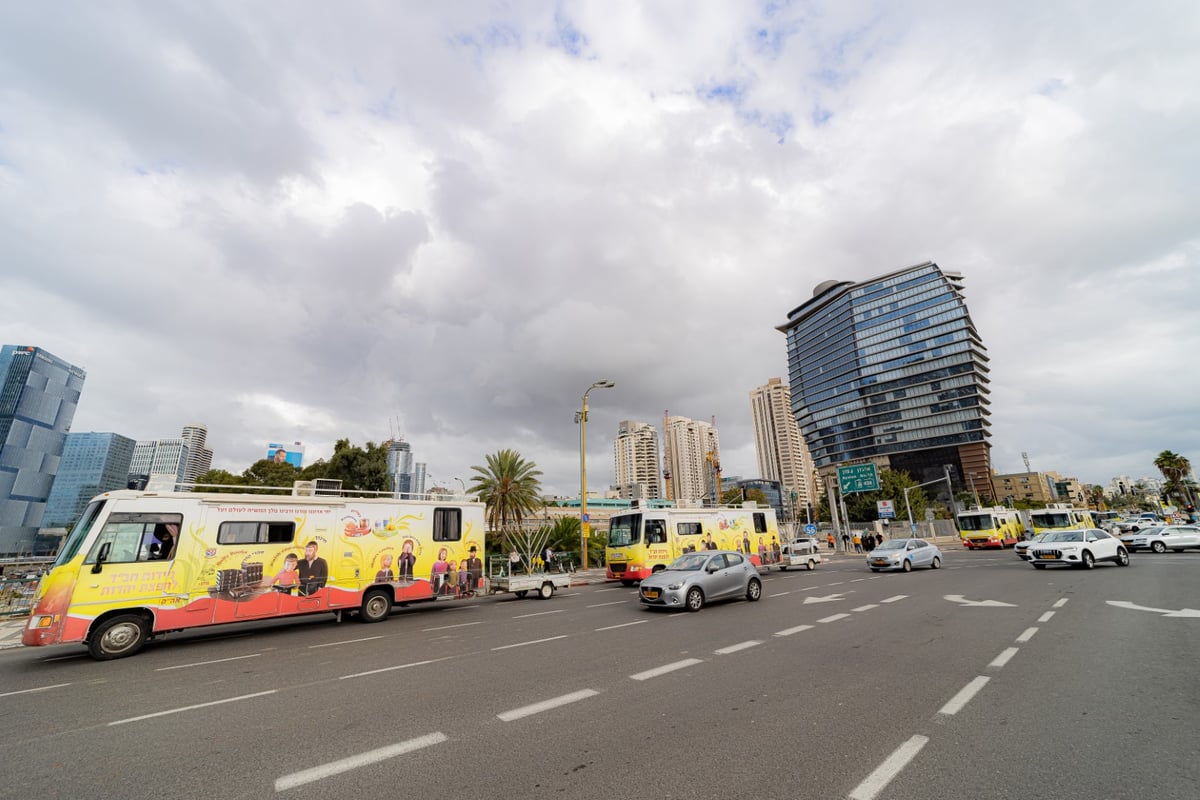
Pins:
x,y
16,596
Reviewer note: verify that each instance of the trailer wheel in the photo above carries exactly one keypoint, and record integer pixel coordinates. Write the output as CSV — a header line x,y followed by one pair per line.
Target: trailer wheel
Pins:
x,y
117,637
811,565
546,591
521,592
376,606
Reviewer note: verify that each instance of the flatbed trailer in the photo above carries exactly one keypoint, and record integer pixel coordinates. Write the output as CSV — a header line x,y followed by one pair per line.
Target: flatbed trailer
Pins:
x,y
543,583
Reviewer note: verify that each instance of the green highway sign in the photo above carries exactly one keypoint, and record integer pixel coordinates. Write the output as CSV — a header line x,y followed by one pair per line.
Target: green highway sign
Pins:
x,y
858,478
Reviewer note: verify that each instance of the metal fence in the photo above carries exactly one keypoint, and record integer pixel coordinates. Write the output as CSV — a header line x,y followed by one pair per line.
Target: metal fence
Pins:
x,y
16,596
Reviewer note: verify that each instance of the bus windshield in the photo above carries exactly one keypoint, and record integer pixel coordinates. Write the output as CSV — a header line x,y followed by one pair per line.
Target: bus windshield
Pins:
x,y
976,522
625,530
1051,520
79,532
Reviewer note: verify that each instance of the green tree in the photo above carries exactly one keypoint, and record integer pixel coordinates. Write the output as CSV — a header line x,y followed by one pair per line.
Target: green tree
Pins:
x,y
735,497
1174,469
508,485
217,477
863,506
265,472
362,469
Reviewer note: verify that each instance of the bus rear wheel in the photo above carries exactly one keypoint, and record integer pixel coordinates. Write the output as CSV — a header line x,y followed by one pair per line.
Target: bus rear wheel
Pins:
x,y
376,606
117,637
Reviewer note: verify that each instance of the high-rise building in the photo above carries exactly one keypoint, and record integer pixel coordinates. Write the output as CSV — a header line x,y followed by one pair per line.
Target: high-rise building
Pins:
x,y
199,457
38,396
891,371
636,461
92,463
692,452
399,463
418,479
782,455
168,465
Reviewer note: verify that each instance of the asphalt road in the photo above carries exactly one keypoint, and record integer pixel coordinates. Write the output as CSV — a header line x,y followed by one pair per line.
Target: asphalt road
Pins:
x,y
985,679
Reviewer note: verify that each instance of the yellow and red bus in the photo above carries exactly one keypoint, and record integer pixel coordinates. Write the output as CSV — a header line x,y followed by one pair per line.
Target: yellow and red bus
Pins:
x,y
141,564
643,541
989,527
1059,517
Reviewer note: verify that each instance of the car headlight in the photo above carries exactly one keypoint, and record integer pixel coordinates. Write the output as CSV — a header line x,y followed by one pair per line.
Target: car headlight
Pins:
x,y
675,585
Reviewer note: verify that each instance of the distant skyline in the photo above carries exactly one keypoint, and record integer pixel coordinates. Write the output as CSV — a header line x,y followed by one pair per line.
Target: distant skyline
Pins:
x,y
451,219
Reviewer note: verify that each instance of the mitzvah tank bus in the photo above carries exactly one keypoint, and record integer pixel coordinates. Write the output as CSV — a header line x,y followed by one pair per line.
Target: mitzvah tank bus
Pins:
x,y
989,527
1059,517
141,564
643,541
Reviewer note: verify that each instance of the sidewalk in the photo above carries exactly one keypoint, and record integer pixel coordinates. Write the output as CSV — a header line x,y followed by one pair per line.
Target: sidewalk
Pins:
x,y
10,631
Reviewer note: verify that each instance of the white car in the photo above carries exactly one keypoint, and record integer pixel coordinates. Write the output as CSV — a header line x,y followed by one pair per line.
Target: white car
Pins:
x,y
1022,548
1162,539
1078,548
1140,523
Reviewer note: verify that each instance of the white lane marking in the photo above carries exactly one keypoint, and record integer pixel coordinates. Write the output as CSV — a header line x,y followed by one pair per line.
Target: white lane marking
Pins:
x,y
733,648
612,603
1060,603
204,663
894,598
867,607
394,668
448,627
622,625
1003,658
856,580
1046,617
546,705
964,696
522,644
834,618
38,689
539,613
1027,635
874,783
790,631
344,641
354,762
778,594
609,589
663,670
839,583
192,708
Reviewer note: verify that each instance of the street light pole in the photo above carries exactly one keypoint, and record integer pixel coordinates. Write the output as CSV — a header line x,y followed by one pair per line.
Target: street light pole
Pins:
x,y
583,517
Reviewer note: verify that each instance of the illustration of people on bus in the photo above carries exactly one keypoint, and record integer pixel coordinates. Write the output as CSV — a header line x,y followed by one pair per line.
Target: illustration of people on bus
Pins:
x,y
776,551
314,571
709,544
746,544
437,575
288,578
450,585
762,551
406,561
472,572
385,574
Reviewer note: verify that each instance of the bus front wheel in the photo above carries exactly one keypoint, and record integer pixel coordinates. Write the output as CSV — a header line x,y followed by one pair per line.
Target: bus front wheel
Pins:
x,y
117,637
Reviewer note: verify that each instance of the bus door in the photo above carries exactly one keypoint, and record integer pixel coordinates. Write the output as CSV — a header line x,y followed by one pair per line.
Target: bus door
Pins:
x,y
658,549
132,563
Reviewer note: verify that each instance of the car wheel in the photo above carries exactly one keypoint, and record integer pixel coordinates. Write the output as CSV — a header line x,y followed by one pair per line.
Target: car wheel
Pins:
x,y
907,565
1158,547
117,637
695,599
546,591
754,590
1122,557
874,569
376,606
1087,560
936,563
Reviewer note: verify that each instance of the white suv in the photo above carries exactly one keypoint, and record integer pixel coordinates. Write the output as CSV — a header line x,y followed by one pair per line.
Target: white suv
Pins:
x,y
1078,548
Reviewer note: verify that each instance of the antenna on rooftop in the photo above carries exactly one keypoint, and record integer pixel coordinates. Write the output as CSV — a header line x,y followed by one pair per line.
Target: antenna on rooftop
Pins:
x,y
1025,456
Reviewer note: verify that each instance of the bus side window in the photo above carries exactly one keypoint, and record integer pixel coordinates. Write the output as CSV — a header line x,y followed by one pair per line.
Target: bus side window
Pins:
x,y
655,533
760,522
447,524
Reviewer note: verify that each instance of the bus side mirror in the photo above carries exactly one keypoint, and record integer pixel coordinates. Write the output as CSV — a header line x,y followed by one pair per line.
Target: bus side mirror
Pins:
x,y
101,557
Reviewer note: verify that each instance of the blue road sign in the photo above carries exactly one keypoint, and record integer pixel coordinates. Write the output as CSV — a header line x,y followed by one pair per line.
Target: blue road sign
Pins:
x,y
810,529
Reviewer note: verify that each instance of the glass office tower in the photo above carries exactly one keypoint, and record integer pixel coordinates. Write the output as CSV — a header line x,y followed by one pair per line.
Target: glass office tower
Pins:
x,y
892,371
38,396
92,463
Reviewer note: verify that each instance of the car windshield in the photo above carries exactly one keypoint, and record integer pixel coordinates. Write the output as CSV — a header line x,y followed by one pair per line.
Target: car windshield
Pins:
x,y
1064,536
1149,531
689,563
894,544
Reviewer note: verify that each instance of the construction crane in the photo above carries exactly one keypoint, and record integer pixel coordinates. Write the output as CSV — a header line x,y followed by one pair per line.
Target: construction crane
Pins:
x,y
666,461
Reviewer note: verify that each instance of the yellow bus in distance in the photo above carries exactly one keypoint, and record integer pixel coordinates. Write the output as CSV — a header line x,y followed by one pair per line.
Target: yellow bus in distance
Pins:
x,y
1059,517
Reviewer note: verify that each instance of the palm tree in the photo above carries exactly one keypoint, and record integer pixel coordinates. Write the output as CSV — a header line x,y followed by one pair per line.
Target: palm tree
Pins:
x,y
1174,469
510,488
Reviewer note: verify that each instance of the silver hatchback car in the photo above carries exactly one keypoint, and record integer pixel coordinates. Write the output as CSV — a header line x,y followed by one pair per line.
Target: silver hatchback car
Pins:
x,y
695,579
904,554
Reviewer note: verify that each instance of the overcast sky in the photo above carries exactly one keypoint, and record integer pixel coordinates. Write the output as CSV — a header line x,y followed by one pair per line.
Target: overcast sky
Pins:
x,y
307,221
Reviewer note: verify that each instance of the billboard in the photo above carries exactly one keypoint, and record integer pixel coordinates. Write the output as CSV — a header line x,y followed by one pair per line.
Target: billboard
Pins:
x,y
286,453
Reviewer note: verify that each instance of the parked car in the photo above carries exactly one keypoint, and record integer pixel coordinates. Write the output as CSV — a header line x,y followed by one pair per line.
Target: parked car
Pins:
x,y
1164,538
1022,548
904,554
1078,548
1139,522
695,579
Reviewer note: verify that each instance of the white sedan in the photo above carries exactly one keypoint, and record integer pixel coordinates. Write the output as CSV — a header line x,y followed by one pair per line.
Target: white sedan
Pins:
x,y
1022,548
1164,538
1078,548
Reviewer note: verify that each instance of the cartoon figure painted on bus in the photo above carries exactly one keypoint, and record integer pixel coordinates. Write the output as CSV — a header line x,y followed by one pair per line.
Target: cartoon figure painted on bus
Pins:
x,y
746,543
450,584
288,578
407,561
437,575
314,571
385,574
472,571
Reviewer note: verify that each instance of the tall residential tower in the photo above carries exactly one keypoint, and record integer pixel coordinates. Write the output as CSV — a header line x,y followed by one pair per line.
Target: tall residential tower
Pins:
x,y
782,455
636,461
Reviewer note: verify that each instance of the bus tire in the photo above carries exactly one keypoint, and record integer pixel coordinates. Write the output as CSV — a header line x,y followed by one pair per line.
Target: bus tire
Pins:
x,y
546,591
376,606
118,637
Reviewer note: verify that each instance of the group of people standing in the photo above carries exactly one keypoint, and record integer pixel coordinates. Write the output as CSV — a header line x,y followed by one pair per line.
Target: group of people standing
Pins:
x,y
861,542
